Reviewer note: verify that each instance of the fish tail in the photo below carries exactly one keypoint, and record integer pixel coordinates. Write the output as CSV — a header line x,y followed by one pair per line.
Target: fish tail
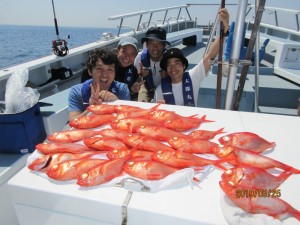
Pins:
x,y
220,131
204,120
285,174
273,145
218,163
293,170
296,214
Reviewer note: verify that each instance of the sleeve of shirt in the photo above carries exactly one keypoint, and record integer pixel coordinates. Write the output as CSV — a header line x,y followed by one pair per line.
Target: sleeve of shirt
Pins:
x,y
124,92
197,74
137,61
75,99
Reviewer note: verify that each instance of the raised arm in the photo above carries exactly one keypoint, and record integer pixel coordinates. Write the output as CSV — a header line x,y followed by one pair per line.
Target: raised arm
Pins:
x,y
214,48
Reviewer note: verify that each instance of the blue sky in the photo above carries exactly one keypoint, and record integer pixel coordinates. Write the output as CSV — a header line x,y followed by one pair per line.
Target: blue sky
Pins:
x,y
94,13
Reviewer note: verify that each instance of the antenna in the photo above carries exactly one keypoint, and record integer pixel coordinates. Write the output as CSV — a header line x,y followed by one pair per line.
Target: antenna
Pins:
x,y
59,46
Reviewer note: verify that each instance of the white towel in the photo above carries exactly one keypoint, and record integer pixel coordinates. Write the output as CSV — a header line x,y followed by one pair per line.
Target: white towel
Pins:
x,y
234,215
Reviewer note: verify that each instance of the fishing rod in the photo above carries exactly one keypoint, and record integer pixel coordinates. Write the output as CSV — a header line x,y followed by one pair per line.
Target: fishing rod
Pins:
x,y
59,46
220,59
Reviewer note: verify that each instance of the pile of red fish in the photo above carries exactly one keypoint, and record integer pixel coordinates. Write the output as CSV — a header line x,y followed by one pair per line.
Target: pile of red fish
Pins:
x,y
153,143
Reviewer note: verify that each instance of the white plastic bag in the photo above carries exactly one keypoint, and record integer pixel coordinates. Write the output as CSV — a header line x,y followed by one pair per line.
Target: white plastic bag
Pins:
x,y
19,98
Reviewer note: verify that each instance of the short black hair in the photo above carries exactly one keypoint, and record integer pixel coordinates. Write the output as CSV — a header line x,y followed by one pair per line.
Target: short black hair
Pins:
x,y
106,55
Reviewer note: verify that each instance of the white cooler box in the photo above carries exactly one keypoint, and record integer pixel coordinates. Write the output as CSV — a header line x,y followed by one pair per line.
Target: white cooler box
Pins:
x,y
41,201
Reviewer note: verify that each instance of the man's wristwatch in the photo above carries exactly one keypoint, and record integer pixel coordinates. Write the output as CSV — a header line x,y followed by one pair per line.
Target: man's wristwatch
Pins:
x,y
226,33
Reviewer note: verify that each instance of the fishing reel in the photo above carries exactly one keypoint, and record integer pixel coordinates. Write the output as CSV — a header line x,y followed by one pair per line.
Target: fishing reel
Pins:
x,y
60,47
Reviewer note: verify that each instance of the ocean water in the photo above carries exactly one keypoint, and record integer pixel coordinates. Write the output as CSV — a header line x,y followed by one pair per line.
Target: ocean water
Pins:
x,y
19,44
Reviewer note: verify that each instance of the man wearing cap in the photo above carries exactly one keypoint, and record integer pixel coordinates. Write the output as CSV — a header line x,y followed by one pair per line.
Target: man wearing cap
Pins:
x,y
148,61
126,72
181,87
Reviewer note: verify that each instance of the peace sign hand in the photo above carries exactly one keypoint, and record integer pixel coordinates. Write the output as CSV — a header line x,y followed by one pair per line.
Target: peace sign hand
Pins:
x,y
95,98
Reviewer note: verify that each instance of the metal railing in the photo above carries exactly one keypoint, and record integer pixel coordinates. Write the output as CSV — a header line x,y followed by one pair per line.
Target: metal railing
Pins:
x,y
140,14
274,10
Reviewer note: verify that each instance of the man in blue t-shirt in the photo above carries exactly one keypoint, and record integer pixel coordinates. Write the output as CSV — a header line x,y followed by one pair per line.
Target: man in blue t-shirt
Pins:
x,y
100,88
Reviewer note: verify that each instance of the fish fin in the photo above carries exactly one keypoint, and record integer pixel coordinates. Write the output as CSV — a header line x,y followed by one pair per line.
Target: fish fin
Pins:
x,y
204,120
193,116
220,131
155,107
285,174
196,179
129,127
153,176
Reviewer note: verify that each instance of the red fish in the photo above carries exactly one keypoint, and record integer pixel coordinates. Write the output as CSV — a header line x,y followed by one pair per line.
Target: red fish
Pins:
x,y
270,205
205,134
112,133
138,113
71,169
247,140
185,124
165,115
50,148
104,143
129,108
140,154
102,173
195,146
254,177
181,159
91,121
71,135
102,109
159,133
148,170
146,143
109,109
46,161
131,124
243,156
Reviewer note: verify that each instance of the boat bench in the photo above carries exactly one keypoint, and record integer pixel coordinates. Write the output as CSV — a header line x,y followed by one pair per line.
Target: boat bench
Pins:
x,y
10,164
287,57
189,36
55,114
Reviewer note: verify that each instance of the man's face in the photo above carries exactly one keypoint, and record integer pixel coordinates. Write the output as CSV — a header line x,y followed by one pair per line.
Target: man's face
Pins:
x,y
126,55
175,69
155,49
103,74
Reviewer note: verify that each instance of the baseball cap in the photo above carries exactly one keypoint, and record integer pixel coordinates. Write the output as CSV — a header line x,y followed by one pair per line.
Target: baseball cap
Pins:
x,y
128,41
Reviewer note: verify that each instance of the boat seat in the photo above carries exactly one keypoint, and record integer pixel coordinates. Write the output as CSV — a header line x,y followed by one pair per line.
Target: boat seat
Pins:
x,y
244,46
287,57
290,74
55,114
276,110
189,36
